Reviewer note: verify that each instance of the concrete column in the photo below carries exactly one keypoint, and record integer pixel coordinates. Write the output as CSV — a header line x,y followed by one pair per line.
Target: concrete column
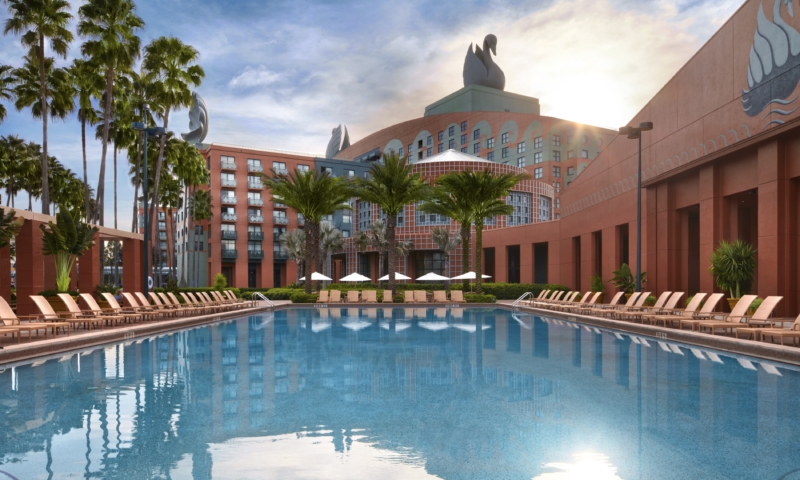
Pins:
x,y
525,263
132,265
610,246
5,273
30,273
711,222
773,240
500,264
587,262
90,263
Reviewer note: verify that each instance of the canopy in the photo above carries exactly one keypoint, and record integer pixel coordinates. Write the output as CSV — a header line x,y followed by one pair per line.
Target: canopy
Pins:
x,y
355,277
397,276
432,277
316,276
469,276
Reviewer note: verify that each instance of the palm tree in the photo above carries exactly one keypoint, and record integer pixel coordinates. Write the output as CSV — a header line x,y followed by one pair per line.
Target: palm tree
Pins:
x,y
376,237
295,243
392,185
313,195
447,243
38,21
7,81
13,155
171,73
110,27
202,210
330,241
190,170
486,192
88,83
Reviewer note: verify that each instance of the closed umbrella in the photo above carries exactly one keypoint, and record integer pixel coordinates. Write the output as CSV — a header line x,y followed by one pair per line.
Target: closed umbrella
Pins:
x,y
432,277
397,276
316,277
355,277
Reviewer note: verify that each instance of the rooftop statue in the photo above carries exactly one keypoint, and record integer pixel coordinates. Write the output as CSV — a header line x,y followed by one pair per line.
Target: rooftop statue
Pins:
x,y
480,69
338,142
198,120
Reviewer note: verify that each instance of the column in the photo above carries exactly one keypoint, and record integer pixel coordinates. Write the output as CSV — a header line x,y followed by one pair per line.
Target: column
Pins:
x,y
500,263
610,247
30,266
773,241
132,264
587,262
5,273
89,266
711,222
525,263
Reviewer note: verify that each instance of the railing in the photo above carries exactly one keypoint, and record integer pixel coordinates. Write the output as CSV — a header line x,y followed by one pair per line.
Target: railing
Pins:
x,y
228,217
254,167
280,254
255,185
255,201
521,298
255,254
228,182
162,235
264,298
230,235
281,171
255,235
227,165
280,220
229,253
255,219
228,200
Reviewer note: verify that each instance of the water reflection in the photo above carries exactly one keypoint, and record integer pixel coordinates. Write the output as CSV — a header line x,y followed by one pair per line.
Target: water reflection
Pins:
x,y
474,393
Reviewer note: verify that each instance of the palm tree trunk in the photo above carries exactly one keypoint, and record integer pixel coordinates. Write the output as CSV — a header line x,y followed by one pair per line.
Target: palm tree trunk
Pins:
x,y
43,93
86,205
391,223
478,257
116,244
136,181
319,262
100,207
310,248
465,252
159,163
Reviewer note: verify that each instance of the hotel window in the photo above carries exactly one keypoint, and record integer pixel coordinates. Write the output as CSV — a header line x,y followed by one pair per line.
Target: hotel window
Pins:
x,y
302,168
537,172
351,173
279,167
162,216
537,142
521,162
504,138
345,233
558,187
463,149
521,202
430,151
162,225
463,126
451,131
504,152
490,142
400,152
544,208
451,144
463,139
347,218
162,245
490,156
410,147
556,155
328,170
253,165
556,172
537,157
556,140
441,136
476,148
476,134
558,203
571,171
584,153
570,153
521,147
429,140
441,147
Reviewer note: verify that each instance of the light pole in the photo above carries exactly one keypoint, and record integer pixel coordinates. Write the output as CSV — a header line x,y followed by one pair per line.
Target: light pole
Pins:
x,y
155,132
636,132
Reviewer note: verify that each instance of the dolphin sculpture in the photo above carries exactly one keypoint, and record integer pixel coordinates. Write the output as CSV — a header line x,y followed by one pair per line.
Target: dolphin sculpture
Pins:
x,y
340,140
198,120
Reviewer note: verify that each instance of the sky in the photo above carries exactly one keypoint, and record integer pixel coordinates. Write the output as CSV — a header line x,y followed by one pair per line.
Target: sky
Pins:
x,y
282,74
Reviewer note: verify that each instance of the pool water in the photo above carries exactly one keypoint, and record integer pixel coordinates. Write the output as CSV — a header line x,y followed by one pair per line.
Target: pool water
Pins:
x,y
399,393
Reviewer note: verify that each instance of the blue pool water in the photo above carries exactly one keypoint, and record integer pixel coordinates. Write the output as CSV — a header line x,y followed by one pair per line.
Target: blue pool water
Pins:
x,y
396,393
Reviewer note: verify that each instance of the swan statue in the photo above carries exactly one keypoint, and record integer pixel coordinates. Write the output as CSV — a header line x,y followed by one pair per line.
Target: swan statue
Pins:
x,y
479,67
774,55
198,120
340,140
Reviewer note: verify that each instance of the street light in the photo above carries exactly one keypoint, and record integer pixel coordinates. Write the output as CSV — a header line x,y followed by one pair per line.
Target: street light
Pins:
x,y
636,132
155,132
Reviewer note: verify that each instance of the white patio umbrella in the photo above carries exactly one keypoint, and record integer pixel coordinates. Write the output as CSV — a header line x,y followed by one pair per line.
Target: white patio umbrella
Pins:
x,y
315,277
469,276
428,277
397,276
355,277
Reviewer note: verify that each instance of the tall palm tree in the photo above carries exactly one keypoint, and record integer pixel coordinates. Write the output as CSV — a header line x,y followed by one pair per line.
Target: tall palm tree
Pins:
x,y
377,238
486,197
191,171
331,241
14,153
109,26
202,209
137,97
447,243
295,243
171,72
392,185
313,195
40,21
88,83
7,81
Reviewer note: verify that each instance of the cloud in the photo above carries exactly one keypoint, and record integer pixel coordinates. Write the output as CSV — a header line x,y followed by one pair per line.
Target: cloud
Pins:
x,y
254,77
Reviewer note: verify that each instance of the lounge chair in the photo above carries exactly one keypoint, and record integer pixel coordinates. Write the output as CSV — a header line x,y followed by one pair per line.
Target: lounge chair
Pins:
x,y
50,316
555,297
542,295
457,296
149,312
678,315
323,296
235,299
611,310
408,296
173,305
154,302
579,300
420,296
369,296
665,303
11,323
584,306
439,296
705,313
109,314
200,300
161,304
792,332
387,297
760,318
353,296
336,296
116,308
90,319
186,306
192,302
575,300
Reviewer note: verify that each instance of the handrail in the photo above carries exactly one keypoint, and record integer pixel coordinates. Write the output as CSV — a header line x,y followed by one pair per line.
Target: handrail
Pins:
x,y
521,298
264,298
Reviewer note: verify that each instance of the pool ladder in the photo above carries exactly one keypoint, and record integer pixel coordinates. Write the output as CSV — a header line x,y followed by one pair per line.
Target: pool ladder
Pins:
x,y
521,298
264,298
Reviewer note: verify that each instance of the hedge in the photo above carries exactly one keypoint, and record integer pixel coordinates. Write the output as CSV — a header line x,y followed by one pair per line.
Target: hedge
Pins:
x,y
301,297
478,298
512,291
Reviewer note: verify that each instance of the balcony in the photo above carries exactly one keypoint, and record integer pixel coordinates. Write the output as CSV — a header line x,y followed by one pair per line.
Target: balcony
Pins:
x,y
257,185
228,182
228,200
228,217
162,235
255,254
278,205
280,220
281,171
254,167
301,220
280,254
227,165
255,219
229,253
229,235
276,237
255,201
255,235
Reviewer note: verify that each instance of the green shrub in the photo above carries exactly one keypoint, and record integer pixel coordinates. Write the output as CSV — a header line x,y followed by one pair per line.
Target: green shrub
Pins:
x,y
478,298
53,293
107,288
689,300
597,284
302,297
281,293
754,306
650,301
220,282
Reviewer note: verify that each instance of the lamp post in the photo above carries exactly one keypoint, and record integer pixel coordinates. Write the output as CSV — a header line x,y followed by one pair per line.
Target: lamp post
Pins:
x,y
155,132
636,132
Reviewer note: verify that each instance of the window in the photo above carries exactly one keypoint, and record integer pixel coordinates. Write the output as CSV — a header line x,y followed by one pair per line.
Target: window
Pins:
x,y
521,202
521,162
584,153
490,156
571,171
537,173
476,148
279,217
521,147
556,155
424,218
400,152
229,244
327,170
429,140
451,144
558,203
279,167
410,147
430,151
504,138
253,246
558,186
254,181
544,208
490,142
570,153
464,150
162,216
476,134
504,152
441,147
350,173
537,142
302,168
345,233
463,126
451,131
463,139
537,157
347,218
556,140
441,136
556,172
162,245
162,225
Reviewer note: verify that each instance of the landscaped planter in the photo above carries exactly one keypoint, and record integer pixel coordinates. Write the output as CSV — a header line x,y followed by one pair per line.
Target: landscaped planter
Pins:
x,y
600,299
57,304
732,302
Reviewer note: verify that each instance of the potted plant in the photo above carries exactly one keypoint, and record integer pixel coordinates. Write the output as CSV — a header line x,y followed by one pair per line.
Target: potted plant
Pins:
x,y
733,265
66,240
598,286
625,280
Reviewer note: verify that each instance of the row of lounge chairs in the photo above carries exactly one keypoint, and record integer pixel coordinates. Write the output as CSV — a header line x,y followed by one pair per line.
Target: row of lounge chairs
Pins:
x,y
136,307
370,296
698,314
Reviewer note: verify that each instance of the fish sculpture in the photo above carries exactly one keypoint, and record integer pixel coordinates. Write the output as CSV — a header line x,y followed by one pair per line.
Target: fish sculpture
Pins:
x,y
198,120
338,142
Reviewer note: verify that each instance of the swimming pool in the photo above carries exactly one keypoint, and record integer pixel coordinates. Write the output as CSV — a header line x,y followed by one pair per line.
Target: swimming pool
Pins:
x,y
399,393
